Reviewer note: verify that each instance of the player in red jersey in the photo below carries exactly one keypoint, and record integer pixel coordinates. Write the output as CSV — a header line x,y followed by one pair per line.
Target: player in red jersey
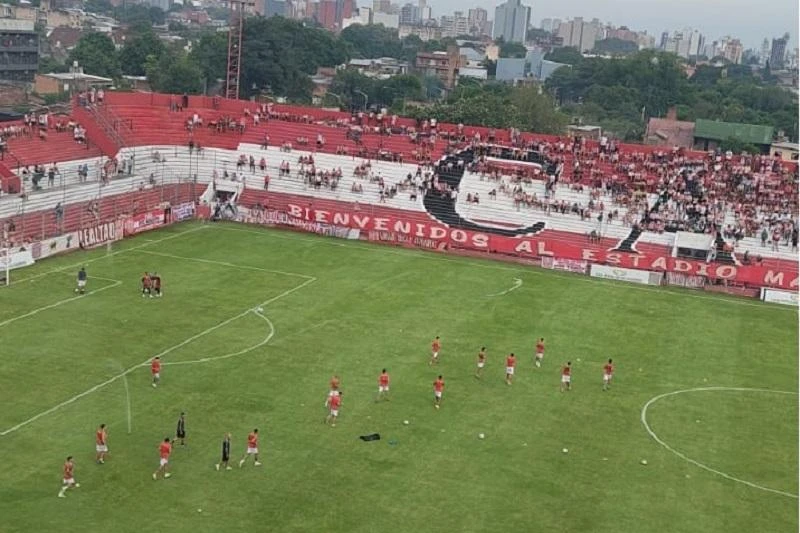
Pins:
x,y
383,386
481,362
69,480
511,363
438,389
436,345
608,374
101,444
147,284
539,353
155,370
252,449
164,449
566,377
333,404
334,390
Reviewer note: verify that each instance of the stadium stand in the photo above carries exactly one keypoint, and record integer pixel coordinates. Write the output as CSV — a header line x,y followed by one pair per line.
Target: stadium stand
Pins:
x,y
619,196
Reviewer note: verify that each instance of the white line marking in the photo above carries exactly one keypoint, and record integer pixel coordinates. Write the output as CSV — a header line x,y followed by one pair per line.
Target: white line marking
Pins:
x,y
224,263
517,285
473,261
109,254
146,361
697,463
387,280
127,396
59,303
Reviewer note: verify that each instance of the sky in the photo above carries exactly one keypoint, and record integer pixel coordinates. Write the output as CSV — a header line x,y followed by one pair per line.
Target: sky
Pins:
x,y
747,20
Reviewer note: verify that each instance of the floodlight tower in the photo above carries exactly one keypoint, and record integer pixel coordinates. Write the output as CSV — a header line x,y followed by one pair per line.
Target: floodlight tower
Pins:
x,y
238,10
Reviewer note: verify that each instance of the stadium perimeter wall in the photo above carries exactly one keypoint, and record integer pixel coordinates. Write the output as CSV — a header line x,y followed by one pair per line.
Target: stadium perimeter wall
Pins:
x,y
400,228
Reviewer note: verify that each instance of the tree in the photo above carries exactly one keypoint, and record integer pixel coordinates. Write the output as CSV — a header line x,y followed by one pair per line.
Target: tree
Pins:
x,y
515,50
567,55
48,65
210,53
173,72
616,47
372,41
136,51
279,55
96,53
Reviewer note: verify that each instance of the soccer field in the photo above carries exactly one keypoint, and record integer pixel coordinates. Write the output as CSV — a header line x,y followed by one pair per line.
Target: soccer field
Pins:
x,y
721,454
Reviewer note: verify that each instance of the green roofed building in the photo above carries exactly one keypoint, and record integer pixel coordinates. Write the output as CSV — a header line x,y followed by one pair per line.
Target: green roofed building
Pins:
x,y
708,134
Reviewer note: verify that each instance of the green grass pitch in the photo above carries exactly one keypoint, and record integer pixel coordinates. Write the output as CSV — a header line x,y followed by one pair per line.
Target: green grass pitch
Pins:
x,y
349,308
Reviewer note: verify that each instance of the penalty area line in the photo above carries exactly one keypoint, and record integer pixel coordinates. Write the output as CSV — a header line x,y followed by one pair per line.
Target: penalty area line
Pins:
x,y
116,283
181,344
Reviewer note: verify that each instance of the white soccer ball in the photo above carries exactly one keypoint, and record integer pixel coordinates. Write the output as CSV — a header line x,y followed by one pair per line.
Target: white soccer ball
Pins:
x,y
565,450
644,461
77,485
481,435
199,510
259,309
405,422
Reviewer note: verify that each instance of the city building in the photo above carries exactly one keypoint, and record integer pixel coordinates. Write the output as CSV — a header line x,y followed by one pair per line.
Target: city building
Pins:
x,y
275,8
19,50
426,32
380,68
579,34
478,22
382,6
442,65
409,14
389,20
732,51
362,15
708,134
455,25
511,21
777,55
532,67
686,43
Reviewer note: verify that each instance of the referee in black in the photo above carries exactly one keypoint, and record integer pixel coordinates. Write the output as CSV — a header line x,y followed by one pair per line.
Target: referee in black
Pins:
x,y
226,452
180,431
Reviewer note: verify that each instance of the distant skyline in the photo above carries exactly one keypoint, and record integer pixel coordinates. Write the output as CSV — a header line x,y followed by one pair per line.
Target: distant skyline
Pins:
x,y
744,19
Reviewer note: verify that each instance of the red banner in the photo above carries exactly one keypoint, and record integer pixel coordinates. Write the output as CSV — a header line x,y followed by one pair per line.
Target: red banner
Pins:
x,y
145,221
412,227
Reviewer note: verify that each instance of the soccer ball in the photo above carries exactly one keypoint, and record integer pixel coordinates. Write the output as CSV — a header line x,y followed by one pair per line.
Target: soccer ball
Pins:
x,y
644,462
565,450
481,435
259,309
405,422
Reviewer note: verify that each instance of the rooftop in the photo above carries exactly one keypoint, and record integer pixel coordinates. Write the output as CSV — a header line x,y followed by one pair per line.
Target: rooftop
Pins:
x,y
720,131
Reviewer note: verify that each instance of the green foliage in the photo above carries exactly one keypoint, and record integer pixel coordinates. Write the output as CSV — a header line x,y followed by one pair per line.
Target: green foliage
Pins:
x,y
279,54
566,54
615,47
136,51
498,106
514,50
616,93
349,84
210,53
373,41
174,72
96,53
48,65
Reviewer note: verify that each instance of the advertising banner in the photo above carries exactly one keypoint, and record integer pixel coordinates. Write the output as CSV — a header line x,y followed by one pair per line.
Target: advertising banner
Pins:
x,y
642,277
412,225
779,297
100,234
144,221
13,258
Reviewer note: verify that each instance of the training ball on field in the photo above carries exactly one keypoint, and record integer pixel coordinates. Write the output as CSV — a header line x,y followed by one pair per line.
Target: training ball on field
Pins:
x,y
199,510
405,422
260,309
565,450
644,461
77,485
481,435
